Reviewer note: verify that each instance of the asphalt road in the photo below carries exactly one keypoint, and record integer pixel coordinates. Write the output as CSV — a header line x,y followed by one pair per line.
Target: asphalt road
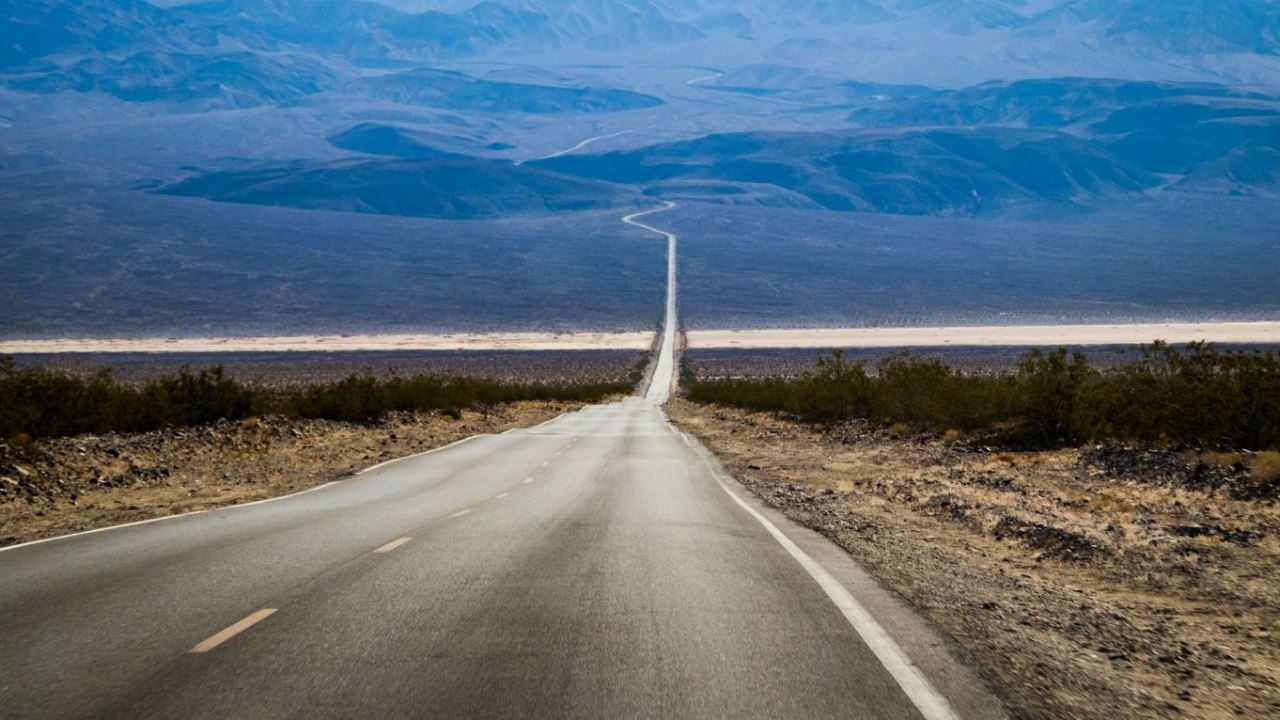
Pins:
x,y
599,565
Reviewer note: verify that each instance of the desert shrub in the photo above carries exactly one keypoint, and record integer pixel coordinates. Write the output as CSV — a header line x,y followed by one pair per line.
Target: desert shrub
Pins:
x,y
1048,410
1198,396
363,397
928,394
1266,466
43,403
839,390
46,403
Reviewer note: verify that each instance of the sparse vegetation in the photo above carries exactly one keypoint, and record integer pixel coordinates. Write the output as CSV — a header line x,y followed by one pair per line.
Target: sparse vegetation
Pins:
x,y
39,402
1198,396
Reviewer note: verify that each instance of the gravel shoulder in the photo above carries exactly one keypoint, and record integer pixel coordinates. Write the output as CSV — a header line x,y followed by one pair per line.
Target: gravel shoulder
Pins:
x,y
66,485
1102,582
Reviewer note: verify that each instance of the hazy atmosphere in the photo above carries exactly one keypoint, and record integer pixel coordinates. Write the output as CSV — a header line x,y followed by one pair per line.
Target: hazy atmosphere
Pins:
x,y
286,166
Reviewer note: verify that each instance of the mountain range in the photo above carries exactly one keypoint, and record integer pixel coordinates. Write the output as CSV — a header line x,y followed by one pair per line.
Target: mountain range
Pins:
x,y
1057,145
195,149
416,107
934,41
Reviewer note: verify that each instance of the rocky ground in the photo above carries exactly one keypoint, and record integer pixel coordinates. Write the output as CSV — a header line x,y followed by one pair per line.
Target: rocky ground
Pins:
x,y
69,484
1102,582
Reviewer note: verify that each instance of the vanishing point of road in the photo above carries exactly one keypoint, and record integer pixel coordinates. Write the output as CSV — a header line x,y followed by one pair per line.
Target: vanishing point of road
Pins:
x,y
599,565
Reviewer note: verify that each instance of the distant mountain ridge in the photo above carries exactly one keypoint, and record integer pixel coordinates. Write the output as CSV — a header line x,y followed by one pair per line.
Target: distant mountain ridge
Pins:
x,y
982,172
1234,40
1223,139
244,53
439,185
455,91
1051,146
1071,141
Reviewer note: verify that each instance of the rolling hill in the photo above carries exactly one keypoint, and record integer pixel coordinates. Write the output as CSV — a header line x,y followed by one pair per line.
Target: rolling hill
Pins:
x,y
446,186
910,173
456,91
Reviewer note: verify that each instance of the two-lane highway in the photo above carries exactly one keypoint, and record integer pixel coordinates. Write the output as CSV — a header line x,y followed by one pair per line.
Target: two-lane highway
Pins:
x,y
599,565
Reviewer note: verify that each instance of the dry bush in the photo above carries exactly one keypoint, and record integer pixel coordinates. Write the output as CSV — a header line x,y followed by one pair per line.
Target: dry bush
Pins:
x,y
1265,466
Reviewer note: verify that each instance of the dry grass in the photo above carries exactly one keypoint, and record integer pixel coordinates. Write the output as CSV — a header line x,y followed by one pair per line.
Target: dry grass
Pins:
x,y
1265,466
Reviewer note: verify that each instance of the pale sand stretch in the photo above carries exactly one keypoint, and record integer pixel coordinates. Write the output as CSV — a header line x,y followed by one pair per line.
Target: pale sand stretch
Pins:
x,y
1012,335
338,343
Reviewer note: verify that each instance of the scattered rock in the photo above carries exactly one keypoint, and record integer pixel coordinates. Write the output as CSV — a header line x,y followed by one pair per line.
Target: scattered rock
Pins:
x,y
1235,535
1171,468
1053,541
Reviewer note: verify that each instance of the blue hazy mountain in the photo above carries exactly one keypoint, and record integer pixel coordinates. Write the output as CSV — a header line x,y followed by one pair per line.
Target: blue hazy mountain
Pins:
x,y
227,125
230,79
1235,40
1226,139
437,185
456,91
1052,103
975,172
911,173
330,61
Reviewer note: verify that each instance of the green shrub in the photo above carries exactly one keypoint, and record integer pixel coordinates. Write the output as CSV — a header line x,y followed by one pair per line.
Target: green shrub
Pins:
x,y
1198,396
46,403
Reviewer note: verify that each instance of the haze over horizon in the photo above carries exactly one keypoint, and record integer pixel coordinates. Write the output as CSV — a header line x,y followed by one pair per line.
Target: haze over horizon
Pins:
x,y
241,167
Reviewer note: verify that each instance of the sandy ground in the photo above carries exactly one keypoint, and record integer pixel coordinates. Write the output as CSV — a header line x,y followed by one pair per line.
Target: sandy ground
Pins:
x,y
336,343
1261,333
995,336
1089,583
67,485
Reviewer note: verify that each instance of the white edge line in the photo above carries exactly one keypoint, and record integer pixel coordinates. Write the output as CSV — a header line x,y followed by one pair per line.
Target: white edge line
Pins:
x,y
167,517
416,455
544,422
224,508
931,704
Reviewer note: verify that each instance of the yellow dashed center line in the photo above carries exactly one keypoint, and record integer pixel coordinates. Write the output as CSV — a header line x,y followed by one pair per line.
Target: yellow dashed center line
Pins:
x,y
528,481
392,545
224,635
460,513
499,496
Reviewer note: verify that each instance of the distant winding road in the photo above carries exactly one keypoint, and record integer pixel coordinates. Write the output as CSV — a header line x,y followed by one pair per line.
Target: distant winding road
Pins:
x,y
600,565
579,146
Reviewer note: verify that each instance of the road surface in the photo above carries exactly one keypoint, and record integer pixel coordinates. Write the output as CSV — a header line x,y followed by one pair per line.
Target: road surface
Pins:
x,y
579,146
599,565
664,374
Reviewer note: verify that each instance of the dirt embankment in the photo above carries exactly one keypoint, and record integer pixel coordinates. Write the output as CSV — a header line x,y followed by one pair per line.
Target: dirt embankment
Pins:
x,y
69,484
1089,583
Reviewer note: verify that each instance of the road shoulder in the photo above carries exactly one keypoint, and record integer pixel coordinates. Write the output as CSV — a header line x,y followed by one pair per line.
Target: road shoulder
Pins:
x,y
1144,625
68,485
944,665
